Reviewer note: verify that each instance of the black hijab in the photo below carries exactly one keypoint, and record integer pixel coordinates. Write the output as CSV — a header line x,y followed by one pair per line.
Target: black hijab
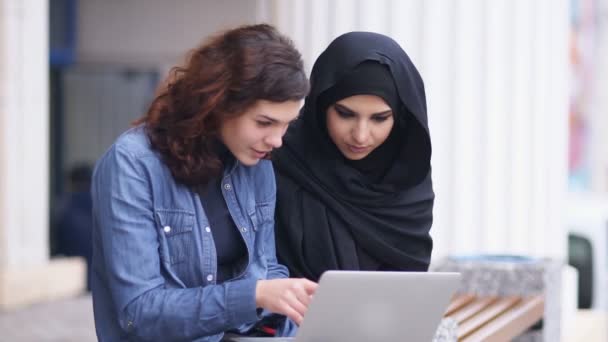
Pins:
x,y
373,214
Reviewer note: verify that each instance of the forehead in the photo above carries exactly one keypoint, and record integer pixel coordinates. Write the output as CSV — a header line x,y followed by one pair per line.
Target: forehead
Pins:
x,y
365,103
279,111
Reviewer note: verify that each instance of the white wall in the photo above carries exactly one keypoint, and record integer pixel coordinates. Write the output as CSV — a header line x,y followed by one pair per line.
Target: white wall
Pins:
x,y
496,78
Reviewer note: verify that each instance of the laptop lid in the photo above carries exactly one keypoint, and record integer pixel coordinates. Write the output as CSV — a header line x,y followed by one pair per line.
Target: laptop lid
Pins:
x,y
362,306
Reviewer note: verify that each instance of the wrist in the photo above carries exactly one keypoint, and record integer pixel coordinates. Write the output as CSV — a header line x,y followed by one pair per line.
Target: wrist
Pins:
x,y
259,289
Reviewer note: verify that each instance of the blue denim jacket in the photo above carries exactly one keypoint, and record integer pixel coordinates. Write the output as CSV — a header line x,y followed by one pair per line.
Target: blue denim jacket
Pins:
x,y
154,260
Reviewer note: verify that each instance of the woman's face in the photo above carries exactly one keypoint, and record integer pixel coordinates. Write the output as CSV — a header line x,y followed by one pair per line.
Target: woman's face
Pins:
x,y
359,124
252,135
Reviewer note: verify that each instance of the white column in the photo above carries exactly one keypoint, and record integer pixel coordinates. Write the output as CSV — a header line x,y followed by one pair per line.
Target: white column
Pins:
x,y
437,52
556,125
373,15
300,21
319,36
408,26
24,145
466,158
539,146
520,120
25,272
494,204
344,17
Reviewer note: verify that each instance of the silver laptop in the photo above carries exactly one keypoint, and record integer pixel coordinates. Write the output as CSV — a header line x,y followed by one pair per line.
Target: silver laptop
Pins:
x,y
361,306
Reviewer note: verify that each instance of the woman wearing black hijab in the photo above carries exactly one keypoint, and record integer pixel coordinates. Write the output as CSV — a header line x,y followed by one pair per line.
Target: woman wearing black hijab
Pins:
x,y
354,176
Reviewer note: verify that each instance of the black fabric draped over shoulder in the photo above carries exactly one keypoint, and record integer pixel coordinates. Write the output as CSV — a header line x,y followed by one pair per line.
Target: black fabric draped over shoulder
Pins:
x,y
331,216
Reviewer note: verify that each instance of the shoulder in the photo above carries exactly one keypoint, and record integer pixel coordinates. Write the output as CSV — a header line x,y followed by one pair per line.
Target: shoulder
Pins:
x,y
131,151
134,142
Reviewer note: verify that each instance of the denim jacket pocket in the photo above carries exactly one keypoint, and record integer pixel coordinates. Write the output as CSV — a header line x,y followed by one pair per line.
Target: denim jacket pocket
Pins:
x,y
262,215
262,219
175,234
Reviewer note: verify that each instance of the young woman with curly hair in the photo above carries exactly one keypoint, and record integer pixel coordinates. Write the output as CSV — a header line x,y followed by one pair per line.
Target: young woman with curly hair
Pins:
x,y
183,244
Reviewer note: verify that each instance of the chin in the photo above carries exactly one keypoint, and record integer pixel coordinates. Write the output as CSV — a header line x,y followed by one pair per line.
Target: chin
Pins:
x,y
248,161
354,157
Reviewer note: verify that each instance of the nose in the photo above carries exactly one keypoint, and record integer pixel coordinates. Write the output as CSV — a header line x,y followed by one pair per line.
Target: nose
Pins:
x,y
360,133
274,140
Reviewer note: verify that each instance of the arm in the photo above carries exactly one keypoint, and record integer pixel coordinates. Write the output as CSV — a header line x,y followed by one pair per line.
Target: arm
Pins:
x,y
144,307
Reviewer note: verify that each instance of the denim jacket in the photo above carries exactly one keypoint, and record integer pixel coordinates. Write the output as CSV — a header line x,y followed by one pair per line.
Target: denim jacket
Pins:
x,y
154,260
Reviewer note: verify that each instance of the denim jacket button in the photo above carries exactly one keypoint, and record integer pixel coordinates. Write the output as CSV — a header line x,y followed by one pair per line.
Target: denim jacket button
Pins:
x,y
208,230
210,277
227,186
244,229
167,229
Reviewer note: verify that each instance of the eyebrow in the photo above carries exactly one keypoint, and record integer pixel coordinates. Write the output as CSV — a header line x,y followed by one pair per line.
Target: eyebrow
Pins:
x,y
273,120
343,107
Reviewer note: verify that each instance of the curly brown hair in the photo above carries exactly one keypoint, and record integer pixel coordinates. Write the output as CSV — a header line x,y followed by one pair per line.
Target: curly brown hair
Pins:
x,y
221,79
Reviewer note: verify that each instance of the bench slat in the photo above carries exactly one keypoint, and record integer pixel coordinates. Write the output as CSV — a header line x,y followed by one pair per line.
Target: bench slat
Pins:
x,y
511,323
472,308
457,303
486,315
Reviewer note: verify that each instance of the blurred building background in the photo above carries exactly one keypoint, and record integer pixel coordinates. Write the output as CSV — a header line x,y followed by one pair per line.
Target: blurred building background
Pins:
x,y
516,94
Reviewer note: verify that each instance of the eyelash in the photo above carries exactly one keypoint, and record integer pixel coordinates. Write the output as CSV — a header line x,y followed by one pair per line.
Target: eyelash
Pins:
x,y
348,115
264,123
380,118
344,114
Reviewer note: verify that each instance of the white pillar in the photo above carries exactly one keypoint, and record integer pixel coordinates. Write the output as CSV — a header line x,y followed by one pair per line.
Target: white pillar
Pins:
x,y
410,25
319,35
539,120
555,125
466,159
436,21
520,98
26,274
344,17
496,118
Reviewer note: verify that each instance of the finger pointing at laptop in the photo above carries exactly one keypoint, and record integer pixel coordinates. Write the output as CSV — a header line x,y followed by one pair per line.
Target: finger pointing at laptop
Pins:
x,y
289,297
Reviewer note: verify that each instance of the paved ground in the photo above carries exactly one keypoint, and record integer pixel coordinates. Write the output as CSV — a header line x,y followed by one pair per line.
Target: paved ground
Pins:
x,y
69,320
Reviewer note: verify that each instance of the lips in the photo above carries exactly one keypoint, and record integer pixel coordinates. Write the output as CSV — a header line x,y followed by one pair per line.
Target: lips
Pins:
x,y
260,154
357,149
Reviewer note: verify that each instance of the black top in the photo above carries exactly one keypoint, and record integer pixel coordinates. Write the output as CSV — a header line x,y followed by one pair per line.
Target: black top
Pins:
x,y
330,213
229,243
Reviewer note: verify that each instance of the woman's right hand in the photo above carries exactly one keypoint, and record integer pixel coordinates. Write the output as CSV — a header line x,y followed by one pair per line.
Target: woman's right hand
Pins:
x,y
289,296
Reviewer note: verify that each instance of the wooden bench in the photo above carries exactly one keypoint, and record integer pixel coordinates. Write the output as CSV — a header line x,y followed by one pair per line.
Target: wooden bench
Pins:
x,y
494,318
